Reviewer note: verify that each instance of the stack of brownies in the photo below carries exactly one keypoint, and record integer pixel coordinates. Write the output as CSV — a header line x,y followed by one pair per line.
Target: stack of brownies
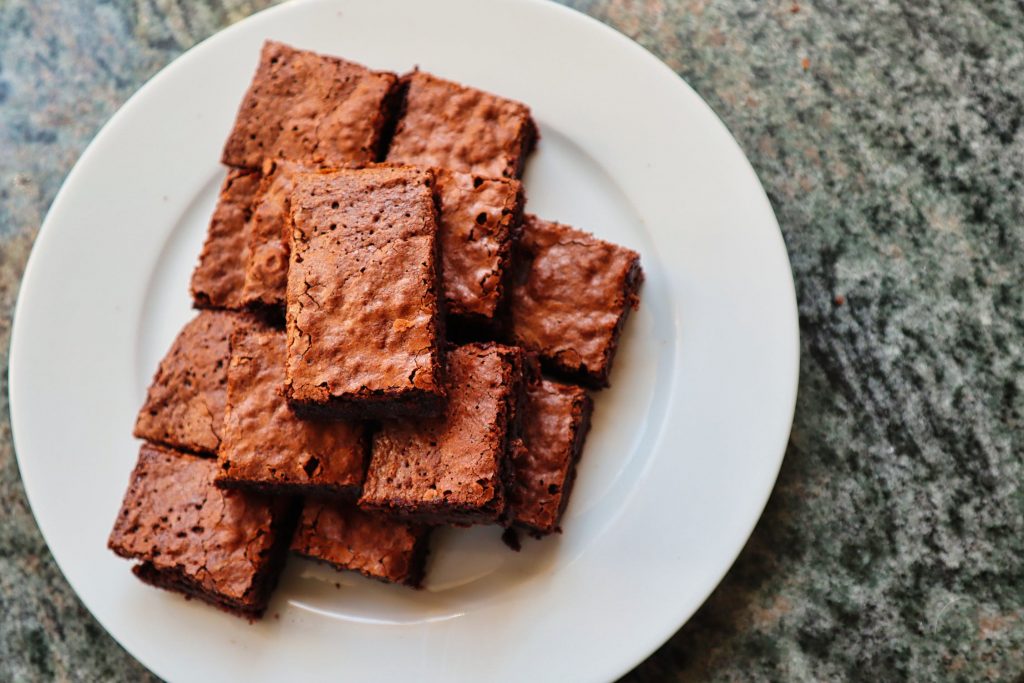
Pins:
x,y
378,320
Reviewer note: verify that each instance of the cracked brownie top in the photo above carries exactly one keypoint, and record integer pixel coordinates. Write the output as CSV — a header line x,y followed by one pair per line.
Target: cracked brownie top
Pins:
x,y
310,108
219,544
363,315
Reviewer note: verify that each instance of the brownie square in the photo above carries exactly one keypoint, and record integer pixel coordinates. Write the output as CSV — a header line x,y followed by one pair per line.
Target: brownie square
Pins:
x,y
184,407
310,108
265,446
372,544
224,547
478,216
452,469
363,313
555,421
217,280
448,125
569,298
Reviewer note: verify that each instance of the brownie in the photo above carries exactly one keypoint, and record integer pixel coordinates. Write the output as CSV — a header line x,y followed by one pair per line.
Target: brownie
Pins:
x,y
224,547
363,312
310,108
265,447
452,469
569,297
217,280
555,421
448,125
266,258
478,216
184,408
372,544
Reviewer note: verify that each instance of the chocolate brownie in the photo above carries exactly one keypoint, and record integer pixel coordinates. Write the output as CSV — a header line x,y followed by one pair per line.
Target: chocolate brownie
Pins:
x,y
448,125
184,408
310,108
224,547
265,447
478,216
266,258
452,469
555,419
372,544
217,280
363,313
569,298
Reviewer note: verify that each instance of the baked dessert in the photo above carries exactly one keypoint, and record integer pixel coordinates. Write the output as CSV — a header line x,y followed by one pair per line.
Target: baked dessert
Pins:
x,y
217,280
454,468
224,547
478,216
555,421
448,125
310,108
266,259
265,447
363,313
374,545
184,407
569,298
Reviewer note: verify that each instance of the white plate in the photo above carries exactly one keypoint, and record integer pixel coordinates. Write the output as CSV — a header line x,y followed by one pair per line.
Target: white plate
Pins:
x,y
685,446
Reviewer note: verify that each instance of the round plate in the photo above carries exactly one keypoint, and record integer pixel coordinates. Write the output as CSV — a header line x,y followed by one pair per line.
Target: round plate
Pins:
x,y
685,446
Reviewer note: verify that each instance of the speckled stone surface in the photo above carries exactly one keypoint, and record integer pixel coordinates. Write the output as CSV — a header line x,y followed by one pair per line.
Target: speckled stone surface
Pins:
x,y
890,138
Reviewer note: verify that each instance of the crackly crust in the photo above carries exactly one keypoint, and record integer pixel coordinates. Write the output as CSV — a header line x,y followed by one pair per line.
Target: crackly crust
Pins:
x,y
265,446
363,312
372,544
310,108
445,124
569,298
452,468
184,407
478,216
265,266
219,276
555,423
224,547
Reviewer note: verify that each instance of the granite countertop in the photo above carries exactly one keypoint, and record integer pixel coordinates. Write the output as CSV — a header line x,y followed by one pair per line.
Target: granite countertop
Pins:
x,y
889,135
